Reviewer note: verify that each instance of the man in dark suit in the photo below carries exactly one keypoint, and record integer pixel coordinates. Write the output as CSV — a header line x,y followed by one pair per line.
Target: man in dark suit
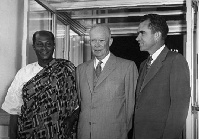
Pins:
x,y
163,88
107,98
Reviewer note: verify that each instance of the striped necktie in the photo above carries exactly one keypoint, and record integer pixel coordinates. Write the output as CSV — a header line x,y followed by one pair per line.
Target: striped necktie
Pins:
x,y
149,62
98,69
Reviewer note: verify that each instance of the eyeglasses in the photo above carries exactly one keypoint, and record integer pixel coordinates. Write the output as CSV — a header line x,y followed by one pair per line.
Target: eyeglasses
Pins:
x,y
94,41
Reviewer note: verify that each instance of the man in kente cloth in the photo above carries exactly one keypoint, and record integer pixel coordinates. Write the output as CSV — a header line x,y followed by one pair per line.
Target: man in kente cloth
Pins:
x,y
42,96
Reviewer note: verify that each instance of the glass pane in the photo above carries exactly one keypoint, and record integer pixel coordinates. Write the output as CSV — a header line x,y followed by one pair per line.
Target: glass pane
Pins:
x,y
69,45
61,41
76,48
39,19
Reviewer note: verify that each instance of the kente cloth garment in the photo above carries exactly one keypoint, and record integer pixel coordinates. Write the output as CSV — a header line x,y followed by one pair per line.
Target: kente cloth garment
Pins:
x,y
48,98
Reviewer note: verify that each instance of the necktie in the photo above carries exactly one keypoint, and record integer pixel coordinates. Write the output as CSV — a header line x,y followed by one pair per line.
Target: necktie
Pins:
x,y
149,62
146,68
98,69
148,65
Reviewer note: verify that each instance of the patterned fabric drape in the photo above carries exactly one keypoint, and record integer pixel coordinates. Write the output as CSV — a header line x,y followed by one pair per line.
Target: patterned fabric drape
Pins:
x,y
49,98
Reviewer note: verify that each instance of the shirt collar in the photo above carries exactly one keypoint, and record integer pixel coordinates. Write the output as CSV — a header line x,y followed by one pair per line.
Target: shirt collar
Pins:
x,y
156,54
96,61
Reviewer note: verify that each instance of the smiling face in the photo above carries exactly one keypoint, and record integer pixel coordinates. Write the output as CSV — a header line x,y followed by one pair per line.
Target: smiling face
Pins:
x,y
145,38
44,47
100,41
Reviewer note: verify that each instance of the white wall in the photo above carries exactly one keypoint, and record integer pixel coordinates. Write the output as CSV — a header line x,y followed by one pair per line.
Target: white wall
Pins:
x,y
11,29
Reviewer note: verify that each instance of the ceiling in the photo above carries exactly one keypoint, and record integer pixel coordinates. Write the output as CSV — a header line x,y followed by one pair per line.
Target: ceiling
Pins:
x,y
122,17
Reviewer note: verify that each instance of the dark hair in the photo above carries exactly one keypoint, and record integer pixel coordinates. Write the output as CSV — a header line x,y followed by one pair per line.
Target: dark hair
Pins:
x,y
157,23
43,33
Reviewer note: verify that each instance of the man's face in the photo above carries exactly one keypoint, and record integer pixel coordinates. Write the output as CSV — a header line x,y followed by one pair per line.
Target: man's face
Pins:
x,y
145,38
44,47
100,42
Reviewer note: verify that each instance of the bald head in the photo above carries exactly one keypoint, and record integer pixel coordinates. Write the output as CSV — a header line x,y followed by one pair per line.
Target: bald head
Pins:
x,y
43,33
101,28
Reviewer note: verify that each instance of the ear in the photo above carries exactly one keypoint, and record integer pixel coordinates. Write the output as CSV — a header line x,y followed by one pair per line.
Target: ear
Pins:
x,y
157,36
110,41
54,44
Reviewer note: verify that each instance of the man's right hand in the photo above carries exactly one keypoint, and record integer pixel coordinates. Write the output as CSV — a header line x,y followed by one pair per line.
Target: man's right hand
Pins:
x,y
13,127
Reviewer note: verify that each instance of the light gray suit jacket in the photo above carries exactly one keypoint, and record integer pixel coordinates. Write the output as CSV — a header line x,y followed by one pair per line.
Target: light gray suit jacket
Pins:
x,y
107,108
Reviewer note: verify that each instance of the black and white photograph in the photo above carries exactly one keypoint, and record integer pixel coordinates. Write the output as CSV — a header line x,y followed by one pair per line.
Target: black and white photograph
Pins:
x,y
99,69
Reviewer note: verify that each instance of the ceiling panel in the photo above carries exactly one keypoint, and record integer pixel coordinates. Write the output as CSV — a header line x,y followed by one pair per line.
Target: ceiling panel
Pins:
x,y
90,4
122,17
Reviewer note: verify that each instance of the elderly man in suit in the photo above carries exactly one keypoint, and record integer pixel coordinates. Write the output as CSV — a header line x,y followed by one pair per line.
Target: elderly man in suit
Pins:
x,y
106,86
163,88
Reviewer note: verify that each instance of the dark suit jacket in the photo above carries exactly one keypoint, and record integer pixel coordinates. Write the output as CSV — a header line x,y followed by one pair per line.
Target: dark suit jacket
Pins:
x,y
162,100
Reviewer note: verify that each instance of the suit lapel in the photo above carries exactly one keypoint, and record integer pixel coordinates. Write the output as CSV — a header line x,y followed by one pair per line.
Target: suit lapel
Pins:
x,y
108,68
140,78
89,73
155,67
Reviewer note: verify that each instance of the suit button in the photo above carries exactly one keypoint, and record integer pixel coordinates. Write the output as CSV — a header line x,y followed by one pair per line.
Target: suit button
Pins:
x,y
91,123
136,107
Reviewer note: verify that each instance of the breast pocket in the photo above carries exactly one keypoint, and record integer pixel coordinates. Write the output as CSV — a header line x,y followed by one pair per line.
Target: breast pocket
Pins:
x,y
115,87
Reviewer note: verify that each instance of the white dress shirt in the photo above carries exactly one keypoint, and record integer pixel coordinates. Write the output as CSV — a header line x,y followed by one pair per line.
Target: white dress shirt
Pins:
x,y
13,100
96,61
156,54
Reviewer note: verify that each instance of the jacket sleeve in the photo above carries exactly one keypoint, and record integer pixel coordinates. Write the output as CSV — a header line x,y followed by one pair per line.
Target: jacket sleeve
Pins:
x,y
13,128
130,86
179,96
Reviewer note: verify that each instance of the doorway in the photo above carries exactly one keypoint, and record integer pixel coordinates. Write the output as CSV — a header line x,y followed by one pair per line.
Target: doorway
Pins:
x,y
127,47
